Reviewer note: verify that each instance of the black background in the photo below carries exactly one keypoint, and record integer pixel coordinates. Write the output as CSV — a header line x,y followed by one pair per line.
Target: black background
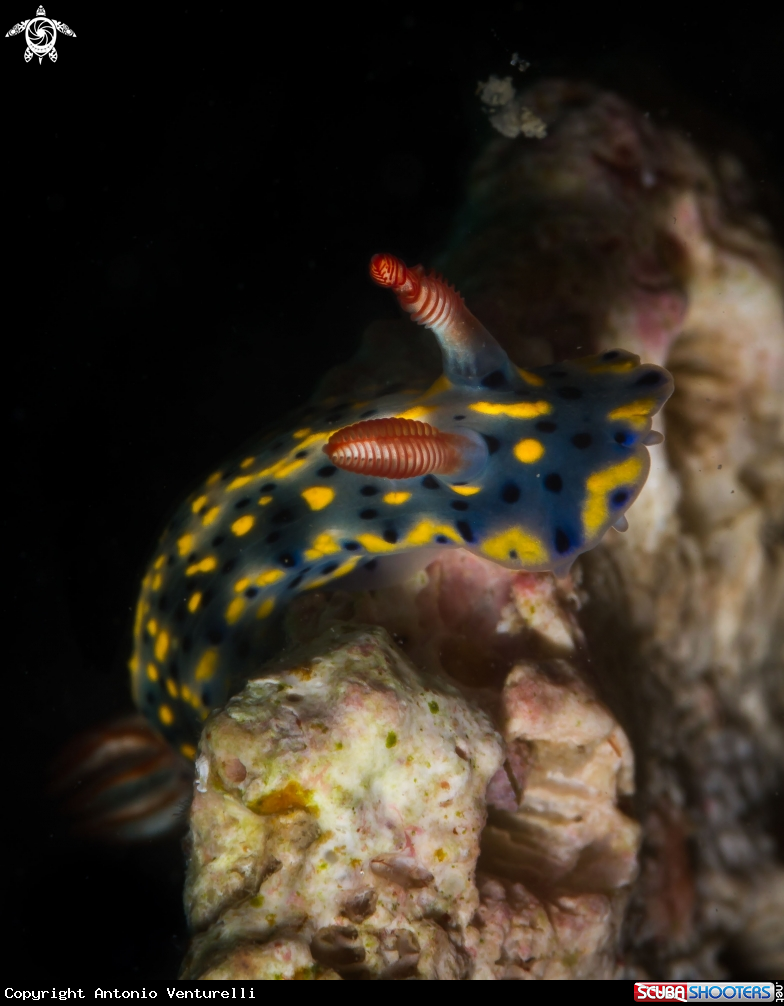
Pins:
x,y
191,198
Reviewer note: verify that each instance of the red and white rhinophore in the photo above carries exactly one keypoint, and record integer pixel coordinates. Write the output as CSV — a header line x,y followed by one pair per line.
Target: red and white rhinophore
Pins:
x,y
396,448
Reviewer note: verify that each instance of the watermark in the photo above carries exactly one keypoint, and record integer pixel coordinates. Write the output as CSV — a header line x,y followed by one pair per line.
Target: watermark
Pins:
x,y
41,35
648,992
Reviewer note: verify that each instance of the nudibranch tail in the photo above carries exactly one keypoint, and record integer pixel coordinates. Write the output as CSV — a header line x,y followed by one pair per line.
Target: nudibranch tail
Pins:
x,y
471,354
396,448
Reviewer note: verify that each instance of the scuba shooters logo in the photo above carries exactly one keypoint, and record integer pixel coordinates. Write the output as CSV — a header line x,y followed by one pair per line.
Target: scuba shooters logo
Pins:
x,y
708,991
41,35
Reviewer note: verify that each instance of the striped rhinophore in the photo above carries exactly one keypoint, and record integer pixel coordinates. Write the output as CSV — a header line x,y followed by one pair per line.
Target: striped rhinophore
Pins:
x,y
394,448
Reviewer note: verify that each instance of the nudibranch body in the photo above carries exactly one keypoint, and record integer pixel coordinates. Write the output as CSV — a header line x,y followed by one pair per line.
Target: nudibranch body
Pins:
x,y
527,468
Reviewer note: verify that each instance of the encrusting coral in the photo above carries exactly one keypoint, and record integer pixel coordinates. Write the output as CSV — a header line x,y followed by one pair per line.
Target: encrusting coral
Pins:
x,y
658,660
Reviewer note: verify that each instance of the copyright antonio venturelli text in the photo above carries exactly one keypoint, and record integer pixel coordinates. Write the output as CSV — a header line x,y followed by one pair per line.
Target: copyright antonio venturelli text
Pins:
x,y
232,992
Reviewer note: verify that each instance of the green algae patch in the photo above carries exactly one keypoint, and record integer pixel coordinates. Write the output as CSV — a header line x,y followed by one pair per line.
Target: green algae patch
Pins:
x,y
391,739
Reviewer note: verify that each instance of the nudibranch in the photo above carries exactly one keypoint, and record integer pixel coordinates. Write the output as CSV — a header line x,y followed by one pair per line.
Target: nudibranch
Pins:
x,y
527,468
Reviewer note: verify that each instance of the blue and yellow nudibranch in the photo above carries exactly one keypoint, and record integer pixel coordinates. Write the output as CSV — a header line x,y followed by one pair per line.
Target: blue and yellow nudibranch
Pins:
x,y
527,468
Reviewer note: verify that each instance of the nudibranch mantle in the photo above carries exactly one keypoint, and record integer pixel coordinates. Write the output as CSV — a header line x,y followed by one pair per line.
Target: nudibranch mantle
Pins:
x,y
538,464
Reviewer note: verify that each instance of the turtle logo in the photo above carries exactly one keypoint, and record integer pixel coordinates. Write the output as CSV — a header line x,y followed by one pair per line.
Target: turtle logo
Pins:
x,y
41,34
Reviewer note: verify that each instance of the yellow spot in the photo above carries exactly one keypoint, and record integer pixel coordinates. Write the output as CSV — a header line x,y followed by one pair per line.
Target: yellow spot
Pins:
x,y
598,485
528,451
206,666
271,576
426,530
282,469
235,609
442,384
194,602
239,482
299,434
186,693
152,627
395,499
198,504
529,550
316,438
188,750
141,610
440,855
185,544
156,581
240,585
152,672
266,607
213,478
466,490
317,497
375,543
536,379
346,567
159,561
516,410
614,368
162,646
288,465
171,688
323,544
243,525
635,412
210,516
133,664
205,566
247,462
166,715
420,412
264,500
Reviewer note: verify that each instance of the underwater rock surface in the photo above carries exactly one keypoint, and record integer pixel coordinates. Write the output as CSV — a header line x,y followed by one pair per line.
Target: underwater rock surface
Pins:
x,y
629,718
338,811
341,797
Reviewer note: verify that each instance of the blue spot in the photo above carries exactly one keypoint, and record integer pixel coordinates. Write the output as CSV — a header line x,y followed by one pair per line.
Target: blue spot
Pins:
x,y
649,379
465,530
496,379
